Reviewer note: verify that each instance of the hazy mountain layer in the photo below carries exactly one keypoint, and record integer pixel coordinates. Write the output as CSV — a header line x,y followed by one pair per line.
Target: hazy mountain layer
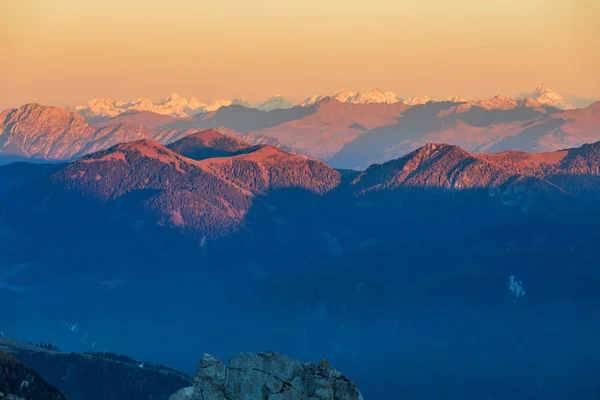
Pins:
x,y
344,134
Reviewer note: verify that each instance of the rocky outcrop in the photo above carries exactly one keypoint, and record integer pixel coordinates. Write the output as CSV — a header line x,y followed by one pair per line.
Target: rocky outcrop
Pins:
x,y
265,376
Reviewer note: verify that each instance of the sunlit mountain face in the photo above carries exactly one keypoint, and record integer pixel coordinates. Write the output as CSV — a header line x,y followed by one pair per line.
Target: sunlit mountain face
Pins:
x,y
299,200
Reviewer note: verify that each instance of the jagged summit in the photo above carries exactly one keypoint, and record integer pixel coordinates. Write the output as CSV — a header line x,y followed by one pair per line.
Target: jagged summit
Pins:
x,y
443,166
544,95
498,102
100,107
40,112
172,98
52,133
456,99
178,106
542,87
173,105
417,100
309,101
372,96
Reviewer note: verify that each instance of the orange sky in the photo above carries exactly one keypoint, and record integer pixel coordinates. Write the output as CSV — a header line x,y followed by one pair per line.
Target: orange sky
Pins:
x,y
67,51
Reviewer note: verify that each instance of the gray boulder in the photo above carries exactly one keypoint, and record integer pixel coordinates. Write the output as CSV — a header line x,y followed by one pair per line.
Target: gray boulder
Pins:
x,y
267,376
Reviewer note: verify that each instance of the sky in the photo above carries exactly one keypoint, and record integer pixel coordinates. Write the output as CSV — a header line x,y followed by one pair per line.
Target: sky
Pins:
x,y
64,52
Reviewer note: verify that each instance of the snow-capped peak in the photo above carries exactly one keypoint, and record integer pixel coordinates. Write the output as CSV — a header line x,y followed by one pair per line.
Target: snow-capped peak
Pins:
x,y
174,98
141,100
99,106
498,102
372,96
544,95
417,100
542,88
455,99
195,104
309,101
174,105
100,100
344,97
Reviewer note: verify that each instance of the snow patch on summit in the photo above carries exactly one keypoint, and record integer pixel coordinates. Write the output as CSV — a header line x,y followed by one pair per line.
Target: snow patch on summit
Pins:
x,y
544,95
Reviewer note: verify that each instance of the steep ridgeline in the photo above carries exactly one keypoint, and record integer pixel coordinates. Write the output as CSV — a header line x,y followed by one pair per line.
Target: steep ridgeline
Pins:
x,y
93,376
450,168
36,132
209,197
209,187
51,133
346,135
266,376
442,190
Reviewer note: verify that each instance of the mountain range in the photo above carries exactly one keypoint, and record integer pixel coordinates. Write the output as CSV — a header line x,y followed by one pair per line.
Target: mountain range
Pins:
x,y
174,105
344,134
190,243
99,109
425,239
209,185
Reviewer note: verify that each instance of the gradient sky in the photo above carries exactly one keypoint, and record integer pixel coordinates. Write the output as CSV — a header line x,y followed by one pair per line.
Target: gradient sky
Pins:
x,y
68,51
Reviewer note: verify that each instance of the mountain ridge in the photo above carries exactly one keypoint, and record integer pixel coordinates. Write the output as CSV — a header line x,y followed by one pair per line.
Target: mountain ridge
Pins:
x,y
348,136
210,196
179,107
